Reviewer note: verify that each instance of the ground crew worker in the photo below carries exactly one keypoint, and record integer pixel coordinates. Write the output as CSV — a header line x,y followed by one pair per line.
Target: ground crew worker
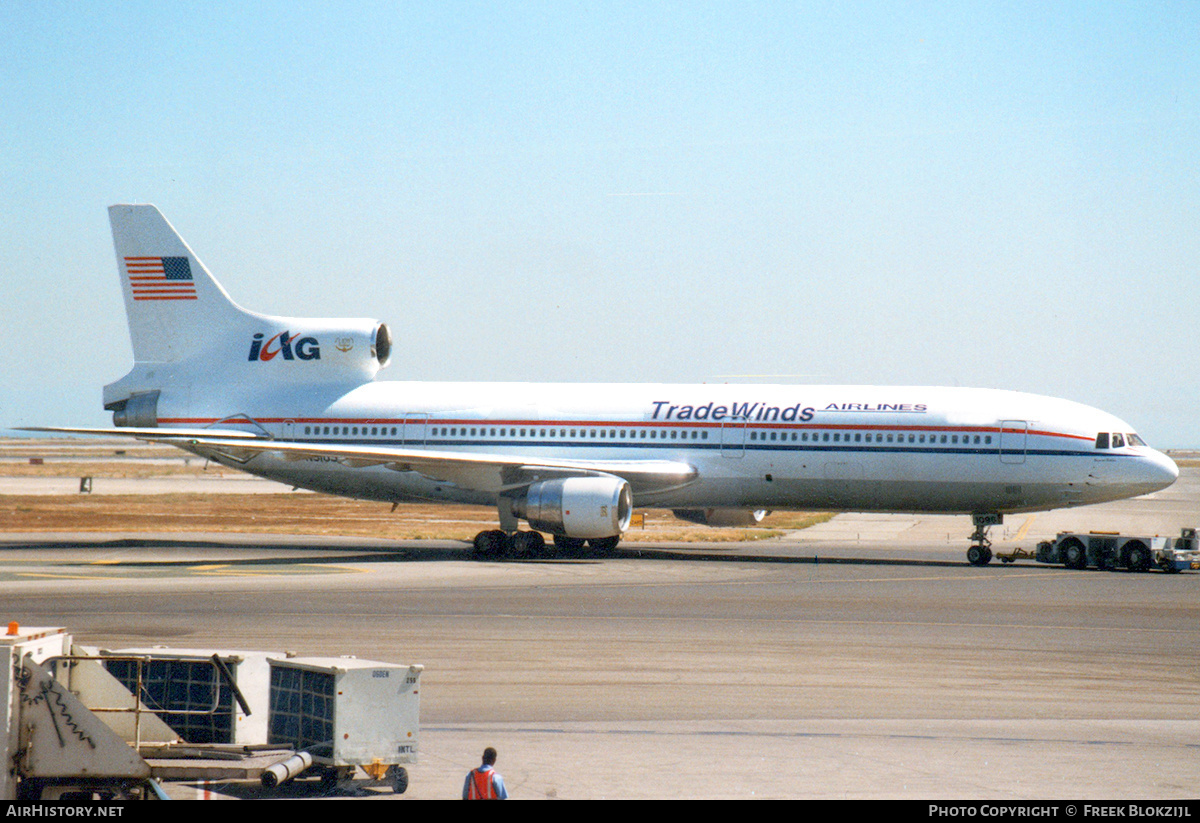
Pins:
x,y
484,783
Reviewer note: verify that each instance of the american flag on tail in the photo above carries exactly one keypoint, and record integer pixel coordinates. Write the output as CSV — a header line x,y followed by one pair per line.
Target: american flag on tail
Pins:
x,y
160,278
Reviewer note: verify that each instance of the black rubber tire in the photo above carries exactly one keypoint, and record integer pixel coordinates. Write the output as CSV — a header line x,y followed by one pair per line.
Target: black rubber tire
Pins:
x,y
604,544
1074,555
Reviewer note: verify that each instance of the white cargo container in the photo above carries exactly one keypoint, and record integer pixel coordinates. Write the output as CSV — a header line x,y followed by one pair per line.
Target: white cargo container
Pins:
x,y
347,713
185,689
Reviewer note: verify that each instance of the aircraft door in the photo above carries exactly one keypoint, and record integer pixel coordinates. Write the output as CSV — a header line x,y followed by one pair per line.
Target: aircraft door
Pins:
x,y
733,438
415,427
1013,437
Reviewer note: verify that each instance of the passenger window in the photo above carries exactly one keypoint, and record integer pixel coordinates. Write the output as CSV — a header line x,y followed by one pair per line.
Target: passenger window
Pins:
x,y
1102,440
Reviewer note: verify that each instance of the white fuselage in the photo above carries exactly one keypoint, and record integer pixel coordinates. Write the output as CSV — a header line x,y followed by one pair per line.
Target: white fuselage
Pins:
x,y
856,448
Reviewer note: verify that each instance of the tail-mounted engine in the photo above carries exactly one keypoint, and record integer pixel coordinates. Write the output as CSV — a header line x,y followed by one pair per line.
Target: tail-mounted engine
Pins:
x,y
315,349
580,507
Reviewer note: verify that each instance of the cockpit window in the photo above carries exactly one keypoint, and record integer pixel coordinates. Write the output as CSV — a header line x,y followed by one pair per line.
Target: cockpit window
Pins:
x,y
1118,440
1102,440
1134,440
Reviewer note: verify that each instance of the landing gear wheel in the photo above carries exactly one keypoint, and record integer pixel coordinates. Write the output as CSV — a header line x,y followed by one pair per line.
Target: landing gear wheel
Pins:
x,y
528,544
570,544
980,552
494,543
979,555
604,544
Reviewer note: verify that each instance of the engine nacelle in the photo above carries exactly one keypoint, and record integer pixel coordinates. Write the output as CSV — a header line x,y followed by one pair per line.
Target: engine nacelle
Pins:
x,y
316,349
722,517
581,507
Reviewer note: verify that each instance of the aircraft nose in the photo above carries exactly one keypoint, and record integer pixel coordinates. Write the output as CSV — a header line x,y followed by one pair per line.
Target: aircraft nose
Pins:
x,y
1145,472
1155,472
1160,470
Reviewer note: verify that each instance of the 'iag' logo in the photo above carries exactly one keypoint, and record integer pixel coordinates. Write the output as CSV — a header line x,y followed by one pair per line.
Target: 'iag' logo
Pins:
x,y
306,348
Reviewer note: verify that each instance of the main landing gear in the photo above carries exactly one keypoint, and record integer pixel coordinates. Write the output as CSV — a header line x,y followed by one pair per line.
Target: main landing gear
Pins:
x,y
980,552
497,543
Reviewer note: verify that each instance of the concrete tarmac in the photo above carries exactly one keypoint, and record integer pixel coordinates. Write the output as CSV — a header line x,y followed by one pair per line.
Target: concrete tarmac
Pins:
x,y
888,668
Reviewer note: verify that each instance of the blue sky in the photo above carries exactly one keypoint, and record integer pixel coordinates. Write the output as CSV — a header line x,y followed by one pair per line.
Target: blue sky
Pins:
x,y
1001,195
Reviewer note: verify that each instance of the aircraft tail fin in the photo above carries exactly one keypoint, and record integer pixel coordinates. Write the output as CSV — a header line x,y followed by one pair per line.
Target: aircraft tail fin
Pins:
x,y
191,341
172,301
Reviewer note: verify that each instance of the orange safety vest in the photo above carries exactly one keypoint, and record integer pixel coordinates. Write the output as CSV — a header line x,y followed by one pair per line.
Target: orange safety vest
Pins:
x,y
481,786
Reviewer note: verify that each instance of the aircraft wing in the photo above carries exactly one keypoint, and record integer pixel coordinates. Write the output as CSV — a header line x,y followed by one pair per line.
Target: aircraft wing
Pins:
x,y
482,471
156,434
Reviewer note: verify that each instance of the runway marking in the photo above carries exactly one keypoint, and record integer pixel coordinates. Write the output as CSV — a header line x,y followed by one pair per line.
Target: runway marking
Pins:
x,y
232,573
118,570
1021,532
227,570
62,576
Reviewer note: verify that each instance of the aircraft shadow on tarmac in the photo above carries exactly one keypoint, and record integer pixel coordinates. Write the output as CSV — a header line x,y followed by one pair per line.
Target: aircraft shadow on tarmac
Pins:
x,y
186,552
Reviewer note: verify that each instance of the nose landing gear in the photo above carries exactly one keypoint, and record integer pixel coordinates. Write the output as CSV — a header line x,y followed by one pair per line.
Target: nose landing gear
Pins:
x,y
980,552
